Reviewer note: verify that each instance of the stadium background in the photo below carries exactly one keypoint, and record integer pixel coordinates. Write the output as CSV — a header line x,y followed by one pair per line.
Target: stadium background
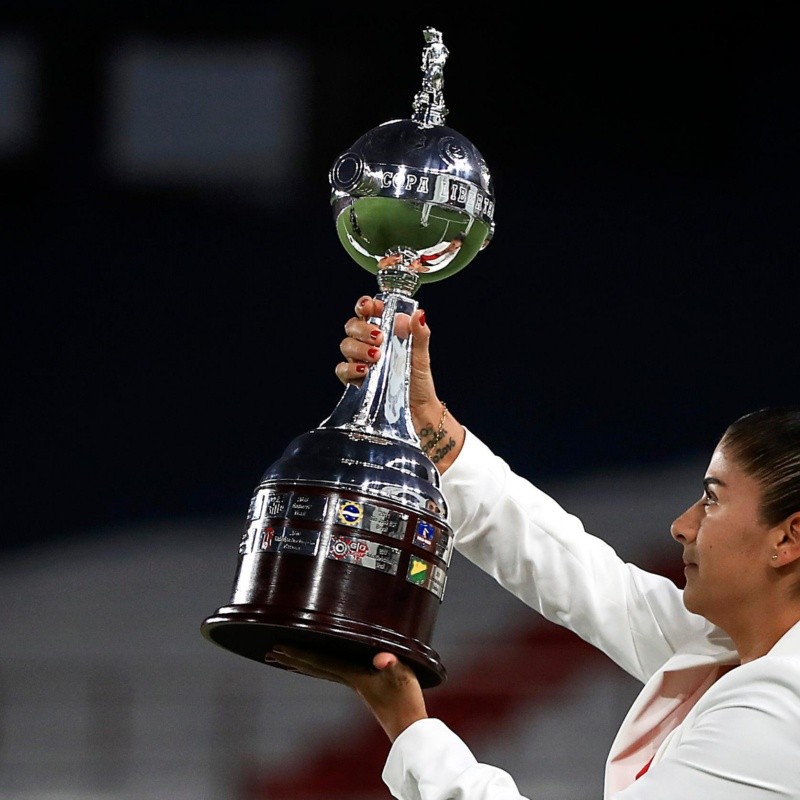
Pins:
x,y
175,295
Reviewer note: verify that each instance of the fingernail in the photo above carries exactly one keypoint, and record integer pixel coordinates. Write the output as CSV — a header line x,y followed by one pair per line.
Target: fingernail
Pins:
x,y
372,352
360,368
374,334
422,318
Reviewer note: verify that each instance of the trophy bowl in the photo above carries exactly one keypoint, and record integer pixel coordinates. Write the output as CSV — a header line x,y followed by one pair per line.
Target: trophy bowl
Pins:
x,y
420,189
347,541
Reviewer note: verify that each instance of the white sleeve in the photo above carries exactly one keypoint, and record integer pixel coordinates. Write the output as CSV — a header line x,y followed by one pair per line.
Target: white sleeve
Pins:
x,y
742,744
542,554
428,761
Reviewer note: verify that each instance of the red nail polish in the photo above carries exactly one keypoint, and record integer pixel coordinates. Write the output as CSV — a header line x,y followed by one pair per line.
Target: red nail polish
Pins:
x,y
372,352
422,318
374,334
361,368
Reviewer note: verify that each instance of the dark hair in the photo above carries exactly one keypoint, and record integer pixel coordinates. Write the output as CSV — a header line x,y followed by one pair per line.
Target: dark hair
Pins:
x,y
766,445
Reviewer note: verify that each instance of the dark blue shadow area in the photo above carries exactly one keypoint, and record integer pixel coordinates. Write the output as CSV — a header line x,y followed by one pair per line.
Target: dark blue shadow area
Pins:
x,y
640,292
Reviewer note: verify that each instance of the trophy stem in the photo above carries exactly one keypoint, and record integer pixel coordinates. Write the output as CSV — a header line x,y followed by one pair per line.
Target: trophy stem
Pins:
x,y
380,406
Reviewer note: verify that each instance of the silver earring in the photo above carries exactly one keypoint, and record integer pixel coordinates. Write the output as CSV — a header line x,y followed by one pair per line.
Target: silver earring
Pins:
x,y
774,556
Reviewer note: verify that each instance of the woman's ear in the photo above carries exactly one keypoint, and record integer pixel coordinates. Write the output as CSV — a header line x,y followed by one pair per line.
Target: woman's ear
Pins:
x,y
787,548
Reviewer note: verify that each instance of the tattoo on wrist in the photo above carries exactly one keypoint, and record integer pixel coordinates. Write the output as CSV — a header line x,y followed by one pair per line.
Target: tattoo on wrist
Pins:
x,y
442,451
431,436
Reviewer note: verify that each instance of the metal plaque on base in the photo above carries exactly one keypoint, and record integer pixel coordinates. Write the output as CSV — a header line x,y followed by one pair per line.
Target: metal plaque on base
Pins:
x,y
347,541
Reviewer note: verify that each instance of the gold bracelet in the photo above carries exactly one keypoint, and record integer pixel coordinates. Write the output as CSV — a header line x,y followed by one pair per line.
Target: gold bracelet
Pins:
x,y
439,431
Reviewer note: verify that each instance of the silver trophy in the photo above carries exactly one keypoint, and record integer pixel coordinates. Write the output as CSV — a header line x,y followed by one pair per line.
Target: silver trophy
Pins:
x,y
347,541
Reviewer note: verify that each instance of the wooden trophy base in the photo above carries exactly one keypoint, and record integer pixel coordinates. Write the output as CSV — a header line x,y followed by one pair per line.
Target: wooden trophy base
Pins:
x,y
336,570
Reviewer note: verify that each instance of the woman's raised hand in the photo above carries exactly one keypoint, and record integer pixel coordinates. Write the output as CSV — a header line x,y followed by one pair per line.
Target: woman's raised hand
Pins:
x,y
440,433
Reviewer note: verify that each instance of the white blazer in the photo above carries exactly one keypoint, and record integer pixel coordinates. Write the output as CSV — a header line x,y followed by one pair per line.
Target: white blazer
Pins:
x,y
713,732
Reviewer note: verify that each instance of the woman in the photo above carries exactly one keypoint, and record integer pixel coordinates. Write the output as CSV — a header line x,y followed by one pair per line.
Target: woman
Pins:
x,y
719,715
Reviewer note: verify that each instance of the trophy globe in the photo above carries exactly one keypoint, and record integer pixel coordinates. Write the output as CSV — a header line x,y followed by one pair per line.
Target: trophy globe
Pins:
x,y
347,541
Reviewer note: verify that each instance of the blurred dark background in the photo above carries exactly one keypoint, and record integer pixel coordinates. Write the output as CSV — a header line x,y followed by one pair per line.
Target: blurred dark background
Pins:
x,y
176,292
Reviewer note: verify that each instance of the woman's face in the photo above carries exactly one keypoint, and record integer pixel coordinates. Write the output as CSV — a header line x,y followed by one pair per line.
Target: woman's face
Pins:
x,y
725,547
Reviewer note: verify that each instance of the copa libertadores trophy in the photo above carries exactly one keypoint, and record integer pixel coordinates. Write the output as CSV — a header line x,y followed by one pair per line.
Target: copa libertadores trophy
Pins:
x,y
347,541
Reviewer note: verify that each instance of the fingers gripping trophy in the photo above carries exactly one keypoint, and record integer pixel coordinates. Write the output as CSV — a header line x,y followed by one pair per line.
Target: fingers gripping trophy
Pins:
x,y
347,541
